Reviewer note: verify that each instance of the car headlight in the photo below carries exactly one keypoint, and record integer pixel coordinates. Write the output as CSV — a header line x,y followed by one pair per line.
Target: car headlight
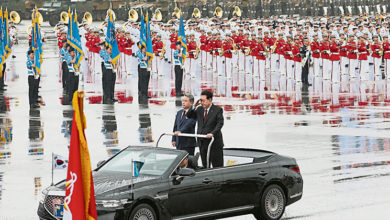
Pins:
x,y
112,203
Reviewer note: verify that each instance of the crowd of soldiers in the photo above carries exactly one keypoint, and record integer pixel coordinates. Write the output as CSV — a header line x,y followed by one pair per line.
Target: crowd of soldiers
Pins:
x,y
331,48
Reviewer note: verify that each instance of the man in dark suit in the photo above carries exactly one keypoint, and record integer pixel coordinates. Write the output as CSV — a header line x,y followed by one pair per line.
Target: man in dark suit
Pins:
x,y
210,122
183,124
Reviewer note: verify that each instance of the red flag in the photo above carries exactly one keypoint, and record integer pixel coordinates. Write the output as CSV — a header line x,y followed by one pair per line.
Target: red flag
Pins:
x,y
80,194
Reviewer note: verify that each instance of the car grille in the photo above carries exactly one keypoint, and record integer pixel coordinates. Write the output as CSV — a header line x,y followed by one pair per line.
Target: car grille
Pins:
x,y
50,200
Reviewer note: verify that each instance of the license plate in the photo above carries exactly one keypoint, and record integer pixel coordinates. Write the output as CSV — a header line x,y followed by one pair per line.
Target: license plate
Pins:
x,y
58,210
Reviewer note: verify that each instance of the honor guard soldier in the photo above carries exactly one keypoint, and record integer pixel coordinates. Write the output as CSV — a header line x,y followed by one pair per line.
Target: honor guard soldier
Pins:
x,y
334,48
128,53
73,75
228,55
173,38
386,55
279,49
352,56
325,56
143,73
64,66
343,54
109,77
261,56
296,51
289,57
376,56
316,54
178,62
203,46
158,46
31,72
190,64
363,59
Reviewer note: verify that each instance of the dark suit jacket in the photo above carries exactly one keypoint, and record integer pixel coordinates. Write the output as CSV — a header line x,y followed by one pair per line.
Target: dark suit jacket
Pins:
x,y
213,124
185,125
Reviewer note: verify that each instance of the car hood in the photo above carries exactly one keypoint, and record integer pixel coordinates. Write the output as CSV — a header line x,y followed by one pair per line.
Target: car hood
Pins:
x,y
107,184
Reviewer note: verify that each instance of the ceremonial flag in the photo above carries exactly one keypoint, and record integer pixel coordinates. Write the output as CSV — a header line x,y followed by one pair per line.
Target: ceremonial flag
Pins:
x,y
182,38
74,39
79,202
7,38
137,168
142,31
2,46
111,40
59,162
149,45
36,41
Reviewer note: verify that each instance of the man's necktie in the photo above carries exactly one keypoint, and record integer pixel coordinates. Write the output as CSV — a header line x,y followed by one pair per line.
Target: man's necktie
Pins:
x,y
182,116
205,115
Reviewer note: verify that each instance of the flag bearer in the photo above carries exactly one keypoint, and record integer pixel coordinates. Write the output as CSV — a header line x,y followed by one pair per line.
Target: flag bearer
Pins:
x,y
31,80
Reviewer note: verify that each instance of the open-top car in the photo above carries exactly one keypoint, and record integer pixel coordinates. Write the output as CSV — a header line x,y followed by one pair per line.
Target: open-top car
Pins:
x,y
171,185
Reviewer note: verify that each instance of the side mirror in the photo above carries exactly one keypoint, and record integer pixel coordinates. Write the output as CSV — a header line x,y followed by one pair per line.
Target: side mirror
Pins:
x,y
100,163
186,172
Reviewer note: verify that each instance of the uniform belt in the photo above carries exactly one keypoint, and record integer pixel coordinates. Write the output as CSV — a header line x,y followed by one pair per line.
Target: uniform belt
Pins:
x,y
387,51
335,53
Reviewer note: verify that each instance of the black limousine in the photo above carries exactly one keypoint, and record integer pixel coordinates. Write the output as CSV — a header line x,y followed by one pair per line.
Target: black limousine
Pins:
x,y
252,181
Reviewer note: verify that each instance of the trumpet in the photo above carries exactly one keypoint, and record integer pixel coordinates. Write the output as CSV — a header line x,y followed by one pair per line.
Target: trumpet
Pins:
x,y
197,51
163,52
248,51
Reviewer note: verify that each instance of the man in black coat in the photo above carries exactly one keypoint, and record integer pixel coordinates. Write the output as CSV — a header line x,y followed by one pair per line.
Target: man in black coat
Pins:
x,y
183,124
210,122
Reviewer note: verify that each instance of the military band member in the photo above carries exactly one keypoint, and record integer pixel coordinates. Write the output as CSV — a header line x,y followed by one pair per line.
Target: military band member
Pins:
x,y
386,55
335,59
316,55
158,46
228,55
190,64
352,56
343,54
289,57
363,59
261,56
325,57
376,48
296,49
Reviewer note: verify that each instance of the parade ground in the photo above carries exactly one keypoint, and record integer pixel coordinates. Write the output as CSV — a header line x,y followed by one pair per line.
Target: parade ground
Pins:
x,y
338,133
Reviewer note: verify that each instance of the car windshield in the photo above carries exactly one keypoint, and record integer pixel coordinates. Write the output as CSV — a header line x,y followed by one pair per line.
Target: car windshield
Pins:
x,y
155,162
46,4
57,4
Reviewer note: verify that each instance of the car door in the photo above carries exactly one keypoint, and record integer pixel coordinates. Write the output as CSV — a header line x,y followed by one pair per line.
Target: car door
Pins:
x,y
241,184
193,195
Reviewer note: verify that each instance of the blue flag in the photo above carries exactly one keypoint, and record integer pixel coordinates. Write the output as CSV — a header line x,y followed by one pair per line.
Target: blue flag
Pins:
x,y
182,38
2,48
111,40
74,39
36,41
149,45
142,31
137,167
7,38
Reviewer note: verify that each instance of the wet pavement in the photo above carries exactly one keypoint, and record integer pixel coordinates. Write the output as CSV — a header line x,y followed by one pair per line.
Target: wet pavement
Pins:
x,y
339,133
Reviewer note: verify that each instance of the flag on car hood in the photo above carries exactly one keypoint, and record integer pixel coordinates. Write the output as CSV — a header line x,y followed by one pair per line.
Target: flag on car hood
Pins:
x,y
59,162
79,202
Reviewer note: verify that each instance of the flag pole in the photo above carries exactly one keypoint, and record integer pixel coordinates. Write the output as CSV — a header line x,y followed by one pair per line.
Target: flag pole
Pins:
x,y
131,179
52,182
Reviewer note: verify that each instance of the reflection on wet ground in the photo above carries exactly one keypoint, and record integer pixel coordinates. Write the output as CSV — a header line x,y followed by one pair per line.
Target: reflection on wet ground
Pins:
x,y
339,133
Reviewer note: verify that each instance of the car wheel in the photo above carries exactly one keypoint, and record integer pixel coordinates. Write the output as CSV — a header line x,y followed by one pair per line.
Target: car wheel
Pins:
x,y
272,203
143,212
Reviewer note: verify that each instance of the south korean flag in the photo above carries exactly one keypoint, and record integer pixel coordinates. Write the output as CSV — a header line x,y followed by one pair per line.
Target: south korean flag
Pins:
x,y
59,162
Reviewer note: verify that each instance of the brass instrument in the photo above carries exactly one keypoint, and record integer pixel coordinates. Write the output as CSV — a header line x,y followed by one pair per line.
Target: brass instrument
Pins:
x,y
157,15
237,11
222,51
14,17
88,18
133,15
197,51
218,12
163,52
64,17
196,13
28,29
273,48
235,48
248,51
176,12
108,14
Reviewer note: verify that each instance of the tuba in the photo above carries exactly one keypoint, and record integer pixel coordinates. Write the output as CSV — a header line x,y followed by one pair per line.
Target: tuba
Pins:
x,y
64,17
157,15
133,15
176,12
196,13
14,17
28,29
88,18
237,11
218,12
